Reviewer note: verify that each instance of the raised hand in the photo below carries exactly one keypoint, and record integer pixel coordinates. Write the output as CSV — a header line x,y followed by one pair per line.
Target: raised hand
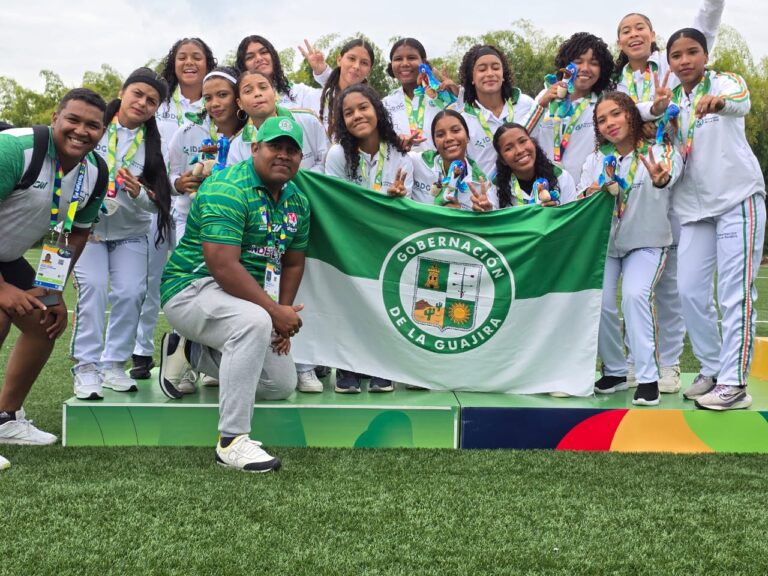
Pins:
x,y
445,82
662,94
314,56
398,186
658,171
480,202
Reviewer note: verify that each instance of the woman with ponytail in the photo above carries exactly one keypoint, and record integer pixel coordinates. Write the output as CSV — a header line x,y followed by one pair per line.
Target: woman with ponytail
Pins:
x,y
114,261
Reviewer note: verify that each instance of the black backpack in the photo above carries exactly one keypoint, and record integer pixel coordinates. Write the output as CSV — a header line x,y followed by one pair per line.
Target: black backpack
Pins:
x,y
40,149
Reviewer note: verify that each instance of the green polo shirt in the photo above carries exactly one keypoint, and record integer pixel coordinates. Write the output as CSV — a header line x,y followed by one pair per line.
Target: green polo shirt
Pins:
x,y
227,209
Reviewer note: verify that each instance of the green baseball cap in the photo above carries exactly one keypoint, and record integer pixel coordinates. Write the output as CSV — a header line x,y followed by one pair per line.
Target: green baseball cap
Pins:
x,y
280,127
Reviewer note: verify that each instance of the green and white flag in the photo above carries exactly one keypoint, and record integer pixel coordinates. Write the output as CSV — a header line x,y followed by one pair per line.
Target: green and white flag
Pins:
x,y
505,301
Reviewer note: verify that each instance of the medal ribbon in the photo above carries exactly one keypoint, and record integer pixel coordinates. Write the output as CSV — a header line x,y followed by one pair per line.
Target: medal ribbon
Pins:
x,y
632,87
378,178
677,97
563,138
77,193
415,118
484,123
112,153
626,188
177,103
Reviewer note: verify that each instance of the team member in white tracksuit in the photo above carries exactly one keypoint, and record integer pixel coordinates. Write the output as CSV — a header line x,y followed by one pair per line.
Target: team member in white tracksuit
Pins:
x,y
257,54
520,162
257,98
412,111
720,202
490,100
370,154
114,261
639,68
184,68
450,134
640,236
568,135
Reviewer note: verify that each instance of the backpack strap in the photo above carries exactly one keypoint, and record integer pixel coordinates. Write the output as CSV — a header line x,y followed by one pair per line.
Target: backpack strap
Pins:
x,y
39,151
103,178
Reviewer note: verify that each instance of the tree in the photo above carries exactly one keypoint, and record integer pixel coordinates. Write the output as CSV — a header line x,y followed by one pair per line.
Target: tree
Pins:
x,y
23,107
107,82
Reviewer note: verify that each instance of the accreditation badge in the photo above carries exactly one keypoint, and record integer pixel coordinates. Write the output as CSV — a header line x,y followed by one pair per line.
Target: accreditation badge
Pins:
x,y
272,281
53,269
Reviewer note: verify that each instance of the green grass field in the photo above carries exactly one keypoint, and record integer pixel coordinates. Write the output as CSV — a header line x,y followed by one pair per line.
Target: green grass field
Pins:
x,y
172,511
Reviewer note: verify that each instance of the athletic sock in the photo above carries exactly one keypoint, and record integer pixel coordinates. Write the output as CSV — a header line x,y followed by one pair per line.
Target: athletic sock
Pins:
x,y
6,416
225,441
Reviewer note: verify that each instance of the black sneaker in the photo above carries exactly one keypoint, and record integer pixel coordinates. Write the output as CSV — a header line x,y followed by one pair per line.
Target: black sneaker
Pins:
x,y
174,361
381,385
141,367
611,384
347,382
647,394
322,371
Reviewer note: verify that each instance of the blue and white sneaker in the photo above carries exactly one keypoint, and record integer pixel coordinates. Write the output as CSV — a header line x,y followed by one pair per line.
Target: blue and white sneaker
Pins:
x,y
347,382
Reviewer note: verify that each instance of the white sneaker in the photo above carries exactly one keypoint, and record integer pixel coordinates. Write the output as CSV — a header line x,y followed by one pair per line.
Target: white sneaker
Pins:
x,y
113,376
631,375
88,382
669,381
188,382
701,385
173,364
210,381
4,463
246,454
21,431
308,382
724,397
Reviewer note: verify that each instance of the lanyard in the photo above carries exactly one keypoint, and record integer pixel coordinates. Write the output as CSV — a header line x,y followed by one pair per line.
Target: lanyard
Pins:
x,y
484,123
77,193
177,102
112,153
629,80
415,117
279,242
677,96
213,131
520,193
562,139
625,184
378,178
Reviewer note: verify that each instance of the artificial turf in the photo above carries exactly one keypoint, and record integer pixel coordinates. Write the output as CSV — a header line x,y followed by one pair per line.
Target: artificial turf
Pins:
x,y
172,511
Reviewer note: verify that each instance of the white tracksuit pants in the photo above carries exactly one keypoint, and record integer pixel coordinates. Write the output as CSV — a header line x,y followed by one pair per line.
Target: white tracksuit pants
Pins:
x,y
158,256
640,271
114,272
732,244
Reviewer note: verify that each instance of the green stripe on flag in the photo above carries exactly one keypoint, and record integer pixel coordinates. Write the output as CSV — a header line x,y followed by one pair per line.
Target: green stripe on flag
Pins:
x,y
548,250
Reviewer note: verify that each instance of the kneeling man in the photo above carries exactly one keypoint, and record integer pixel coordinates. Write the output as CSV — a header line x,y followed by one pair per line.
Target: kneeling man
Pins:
x,y
228,288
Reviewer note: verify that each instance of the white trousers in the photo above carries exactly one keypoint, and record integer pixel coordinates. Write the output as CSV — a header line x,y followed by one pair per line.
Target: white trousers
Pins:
x,y
732,244
158,256
640,271
113,272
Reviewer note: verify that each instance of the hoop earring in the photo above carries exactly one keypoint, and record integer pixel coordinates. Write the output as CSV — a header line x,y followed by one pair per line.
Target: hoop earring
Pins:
x,y
244,117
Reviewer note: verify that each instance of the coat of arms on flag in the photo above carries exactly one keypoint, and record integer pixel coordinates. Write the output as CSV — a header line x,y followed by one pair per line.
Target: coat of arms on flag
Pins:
x,y
446,294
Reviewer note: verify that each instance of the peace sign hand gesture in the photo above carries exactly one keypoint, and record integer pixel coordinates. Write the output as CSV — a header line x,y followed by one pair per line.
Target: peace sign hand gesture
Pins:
x,y
662,94
314,56
480,202
397,188
658,171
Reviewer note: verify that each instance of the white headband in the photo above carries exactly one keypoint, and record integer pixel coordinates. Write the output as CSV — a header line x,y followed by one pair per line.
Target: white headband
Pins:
x,y
221,74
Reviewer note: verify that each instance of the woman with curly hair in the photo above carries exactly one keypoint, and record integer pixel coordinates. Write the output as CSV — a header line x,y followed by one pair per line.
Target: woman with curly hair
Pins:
x,y
185,66
257,54
565,130
641,175
490,100
431,168
369,153
520,163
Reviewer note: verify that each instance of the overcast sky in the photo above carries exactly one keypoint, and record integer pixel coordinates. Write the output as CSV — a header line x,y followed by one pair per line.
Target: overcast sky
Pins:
x,y
72,37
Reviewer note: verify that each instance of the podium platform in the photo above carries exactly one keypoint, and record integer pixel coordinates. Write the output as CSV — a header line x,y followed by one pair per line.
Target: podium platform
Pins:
x,y
422,419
